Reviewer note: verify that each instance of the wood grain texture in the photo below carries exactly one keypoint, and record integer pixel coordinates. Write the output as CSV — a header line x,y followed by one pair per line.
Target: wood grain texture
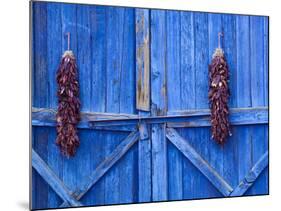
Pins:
x,y
215,156
51,178
244,92
260,137
183,118
252,175
54,53
146,70
159,105
199,162
142,59
128,167
105,165
40,97
174,159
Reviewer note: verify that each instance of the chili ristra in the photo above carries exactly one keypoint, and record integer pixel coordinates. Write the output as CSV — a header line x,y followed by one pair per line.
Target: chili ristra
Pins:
x,y
218,97
68,114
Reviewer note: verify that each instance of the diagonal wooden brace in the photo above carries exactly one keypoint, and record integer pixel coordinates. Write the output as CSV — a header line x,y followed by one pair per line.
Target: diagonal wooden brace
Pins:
x,y
104,166
52,179
203,166
252,175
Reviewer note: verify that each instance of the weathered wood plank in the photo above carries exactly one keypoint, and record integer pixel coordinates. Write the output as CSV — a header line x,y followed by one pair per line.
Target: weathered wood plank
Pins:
x,y
144,162
70,175
159,105
258,89
201,53
187,95
159,163
142,60
98,98
114,68
244,134
230,53
251,177
40,95
238,116
143,102
83,56
98,45
84,63
51,178
195,118
54,53
128,167
230,160
173,20
105,165
266,58
199,162
215,155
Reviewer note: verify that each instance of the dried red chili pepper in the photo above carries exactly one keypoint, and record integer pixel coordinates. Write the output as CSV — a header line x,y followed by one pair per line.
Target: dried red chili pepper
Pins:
x,y
218,97
68,114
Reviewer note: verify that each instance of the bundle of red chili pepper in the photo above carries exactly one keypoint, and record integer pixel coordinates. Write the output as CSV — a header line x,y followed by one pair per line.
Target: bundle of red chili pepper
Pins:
x,y
218,97
68,114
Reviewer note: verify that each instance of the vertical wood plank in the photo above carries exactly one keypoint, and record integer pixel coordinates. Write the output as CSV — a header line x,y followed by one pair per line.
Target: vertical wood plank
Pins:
x,y
98,59
142,60
201,135
83,57
98,96
40,54
201,59
143,100
243,65
215,27
230,52
243,93
41,95
54,54
260,139
69,24
266,57
114,38
216,153
55,163
257,61
187,65
84,63
187,95
266,94
230,150
173,96
128,193
159,102
40,198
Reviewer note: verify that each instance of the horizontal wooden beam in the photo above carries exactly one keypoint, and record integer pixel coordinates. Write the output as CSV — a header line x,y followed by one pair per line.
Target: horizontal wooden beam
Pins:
x,y
238,116
47,117
52,179
202,165
105,165
251,177
128,122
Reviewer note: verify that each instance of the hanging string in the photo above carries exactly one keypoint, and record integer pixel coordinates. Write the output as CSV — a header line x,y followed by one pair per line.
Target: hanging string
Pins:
x,y
219,39
68,40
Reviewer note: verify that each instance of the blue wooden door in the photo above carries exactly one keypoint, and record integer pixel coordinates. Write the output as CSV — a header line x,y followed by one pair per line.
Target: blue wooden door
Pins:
x,y
194,166
145,132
